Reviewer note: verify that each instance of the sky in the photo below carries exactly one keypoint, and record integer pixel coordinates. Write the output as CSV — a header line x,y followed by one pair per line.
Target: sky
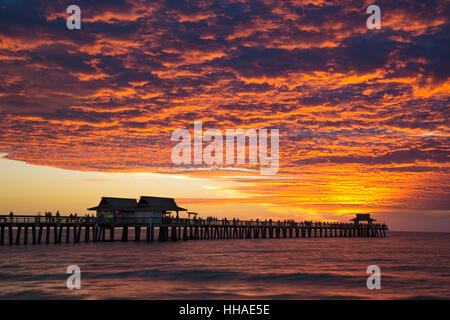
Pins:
x,y
362,114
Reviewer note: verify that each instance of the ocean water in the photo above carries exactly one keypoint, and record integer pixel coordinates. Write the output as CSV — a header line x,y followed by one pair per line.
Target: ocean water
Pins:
x,y
413,266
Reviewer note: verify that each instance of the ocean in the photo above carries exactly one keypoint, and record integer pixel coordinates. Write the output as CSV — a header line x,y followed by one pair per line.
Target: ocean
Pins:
x,y
413,266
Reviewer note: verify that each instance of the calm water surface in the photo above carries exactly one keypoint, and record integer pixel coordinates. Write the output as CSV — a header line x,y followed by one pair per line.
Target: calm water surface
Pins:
x,y
413,266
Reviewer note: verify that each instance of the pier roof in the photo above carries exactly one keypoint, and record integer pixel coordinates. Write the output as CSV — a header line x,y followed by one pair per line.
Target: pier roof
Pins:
x,y
122,204
158,204
363,217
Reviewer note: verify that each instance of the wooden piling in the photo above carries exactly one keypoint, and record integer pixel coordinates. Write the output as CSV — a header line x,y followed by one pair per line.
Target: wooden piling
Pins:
x,y
79,233
41,227
60,233
137,233
67,233
166,233
99,233
94,233
47,234
75,237
10,235
2,235
196,234
174,234
19,228
111,233
55,233
148,234
25,235
185,234
33,232
125,234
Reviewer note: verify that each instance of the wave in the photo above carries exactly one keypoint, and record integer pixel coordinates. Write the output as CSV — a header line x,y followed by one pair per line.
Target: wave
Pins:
x,y
218,275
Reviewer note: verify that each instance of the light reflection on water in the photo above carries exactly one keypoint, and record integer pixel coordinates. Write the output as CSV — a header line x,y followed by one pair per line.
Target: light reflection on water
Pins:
x,y
413,265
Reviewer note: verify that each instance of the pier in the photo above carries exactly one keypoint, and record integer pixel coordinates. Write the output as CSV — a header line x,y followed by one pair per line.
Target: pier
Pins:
x,y
23,229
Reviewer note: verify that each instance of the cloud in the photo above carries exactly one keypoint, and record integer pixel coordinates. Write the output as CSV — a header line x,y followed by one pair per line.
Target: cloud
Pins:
x,y
398,156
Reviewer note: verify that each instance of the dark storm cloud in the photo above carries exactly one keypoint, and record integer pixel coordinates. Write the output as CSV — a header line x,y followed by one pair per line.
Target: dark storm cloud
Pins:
x,y
398,156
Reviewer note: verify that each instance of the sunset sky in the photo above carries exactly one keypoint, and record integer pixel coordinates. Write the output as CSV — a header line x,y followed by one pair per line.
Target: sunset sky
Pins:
x,y
363,114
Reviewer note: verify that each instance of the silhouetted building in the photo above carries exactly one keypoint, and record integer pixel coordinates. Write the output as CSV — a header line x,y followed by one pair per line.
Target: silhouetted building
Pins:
x,y
146,210
363,217
156,207
117,207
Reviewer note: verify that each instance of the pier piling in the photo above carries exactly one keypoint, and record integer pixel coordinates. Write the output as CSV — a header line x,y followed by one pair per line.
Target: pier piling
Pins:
x,y
10,234
2,235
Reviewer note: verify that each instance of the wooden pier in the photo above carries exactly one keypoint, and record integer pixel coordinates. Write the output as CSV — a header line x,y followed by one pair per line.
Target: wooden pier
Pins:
x,y
41,230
